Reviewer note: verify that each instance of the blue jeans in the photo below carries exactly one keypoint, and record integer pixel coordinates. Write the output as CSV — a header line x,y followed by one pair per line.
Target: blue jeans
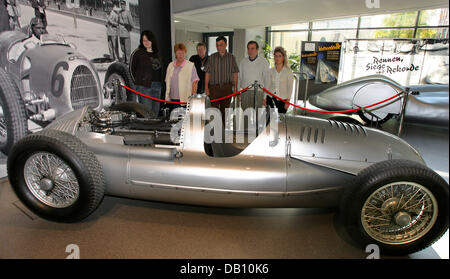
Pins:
x,y
155,92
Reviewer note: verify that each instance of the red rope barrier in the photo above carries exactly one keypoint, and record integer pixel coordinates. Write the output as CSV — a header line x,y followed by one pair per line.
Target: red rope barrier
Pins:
x,y
271,94
336,111
182,103
231,95
152,98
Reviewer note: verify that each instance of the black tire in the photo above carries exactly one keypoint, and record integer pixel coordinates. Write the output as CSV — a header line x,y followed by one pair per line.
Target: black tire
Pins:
x,y
383,173
101,64
346,119
374,122
74,153
119,70
140,109
14,123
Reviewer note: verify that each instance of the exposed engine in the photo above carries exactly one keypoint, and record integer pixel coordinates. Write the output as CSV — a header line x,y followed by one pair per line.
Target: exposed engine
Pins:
x,y
135,130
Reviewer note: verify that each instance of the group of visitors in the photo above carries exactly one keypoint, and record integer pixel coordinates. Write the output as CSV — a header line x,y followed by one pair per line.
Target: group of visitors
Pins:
x,y
217,75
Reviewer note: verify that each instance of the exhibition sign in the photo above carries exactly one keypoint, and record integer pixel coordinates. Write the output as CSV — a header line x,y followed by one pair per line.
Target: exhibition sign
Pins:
x,y
320,61
407,61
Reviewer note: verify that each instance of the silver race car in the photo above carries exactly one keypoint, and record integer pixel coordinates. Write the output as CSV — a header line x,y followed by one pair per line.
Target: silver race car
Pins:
x,y
41,79
426,104
386,193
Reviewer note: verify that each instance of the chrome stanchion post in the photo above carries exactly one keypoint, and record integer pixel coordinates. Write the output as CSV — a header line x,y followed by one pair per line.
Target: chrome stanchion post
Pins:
x,y
402,113
306,92
297,87
255,108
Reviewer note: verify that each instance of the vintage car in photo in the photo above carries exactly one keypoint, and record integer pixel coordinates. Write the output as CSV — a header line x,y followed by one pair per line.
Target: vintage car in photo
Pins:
x,y
386,194
41,79
426,104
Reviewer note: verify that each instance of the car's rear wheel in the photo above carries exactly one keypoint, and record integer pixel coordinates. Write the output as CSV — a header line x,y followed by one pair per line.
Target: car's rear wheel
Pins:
x,y
13,119
55,176
399,205
118,71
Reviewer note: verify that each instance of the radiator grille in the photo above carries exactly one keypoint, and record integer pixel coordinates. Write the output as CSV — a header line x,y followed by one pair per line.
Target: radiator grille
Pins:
x,y
83,88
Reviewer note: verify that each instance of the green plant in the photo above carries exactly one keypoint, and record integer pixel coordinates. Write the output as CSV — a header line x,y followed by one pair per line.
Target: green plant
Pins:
x,y
294,62
266,49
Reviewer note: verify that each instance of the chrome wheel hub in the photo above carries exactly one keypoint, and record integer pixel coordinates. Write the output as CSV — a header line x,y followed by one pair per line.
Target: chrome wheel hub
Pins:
x,y
399,213
46,184
402,218
51,180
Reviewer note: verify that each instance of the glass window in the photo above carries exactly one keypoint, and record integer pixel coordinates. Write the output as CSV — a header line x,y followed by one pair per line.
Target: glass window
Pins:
x,y
437,17
296,26
386,33
432,33
390,20
291,41
333,35
351,22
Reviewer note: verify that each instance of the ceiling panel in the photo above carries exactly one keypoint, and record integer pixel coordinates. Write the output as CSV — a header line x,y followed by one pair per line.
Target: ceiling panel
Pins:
x,y
235,14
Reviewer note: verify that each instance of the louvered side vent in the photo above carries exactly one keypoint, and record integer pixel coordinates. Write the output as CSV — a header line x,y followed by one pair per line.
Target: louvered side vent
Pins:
x,y
350,128
312,134
83,88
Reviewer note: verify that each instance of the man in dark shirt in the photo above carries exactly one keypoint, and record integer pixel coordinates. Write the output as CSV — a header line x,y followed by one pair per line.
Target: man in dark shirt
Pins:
x,y
199,61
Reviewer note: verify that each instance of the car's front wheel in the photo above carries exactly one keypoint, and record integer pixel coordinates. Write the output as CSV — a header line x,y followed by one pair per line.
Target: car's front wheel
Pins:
x,y
55,176
399,205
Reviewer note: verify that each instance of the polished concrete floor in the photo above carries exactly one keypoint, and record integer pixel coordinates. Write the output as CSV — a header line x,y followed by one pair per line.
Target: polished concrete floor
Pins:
x,y
125,228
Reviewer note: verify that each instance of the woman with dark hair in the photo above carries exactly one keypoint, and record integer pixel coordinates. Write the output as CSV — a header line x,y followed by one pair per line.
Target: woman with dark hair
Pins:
x,y
146,70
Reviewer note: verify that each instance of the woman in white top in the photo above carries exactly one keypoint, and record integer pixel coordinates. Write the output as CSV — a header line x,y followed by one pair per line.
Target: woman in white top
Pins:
x,y
280,81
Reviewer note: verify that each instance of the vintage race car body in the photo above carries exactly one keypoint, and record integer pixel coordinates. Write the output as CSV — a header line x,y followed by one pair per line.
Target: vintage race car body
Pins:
x,y
427,104
379,182
52,76
305,164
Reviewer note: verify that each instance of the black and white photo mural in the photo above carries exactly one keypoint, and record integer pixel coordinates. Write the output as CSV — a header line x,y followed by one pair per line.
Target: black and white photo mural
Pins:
x,y
59,56
102,30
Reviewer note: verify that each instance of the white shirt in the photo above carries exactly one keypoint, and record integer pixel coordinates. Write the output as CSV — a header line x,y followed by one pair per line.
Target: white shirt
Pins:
x,y
249,71
281,82
277,82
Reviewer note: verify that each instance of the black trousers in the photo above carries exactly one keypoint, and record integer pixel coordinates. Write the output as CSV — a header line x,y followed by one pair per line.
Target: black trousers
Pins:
x,y
275,103
173,106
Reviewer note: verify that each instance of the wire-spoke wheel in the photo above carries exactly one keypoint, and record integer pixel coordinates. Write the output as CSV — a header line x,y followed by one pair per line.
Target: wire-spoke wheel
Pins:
x,y
399,213
51,180
399,205
56,176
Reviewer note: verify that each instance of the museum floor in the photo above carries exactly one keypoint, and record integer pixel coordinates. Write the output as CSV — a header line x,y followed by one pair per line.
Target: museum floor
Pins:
x,y
125,228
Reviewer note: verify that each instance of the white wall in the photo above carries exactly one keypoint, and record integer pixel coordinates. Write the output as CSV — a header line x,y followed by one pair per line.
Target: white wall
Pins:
x,y
190,39
242,37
